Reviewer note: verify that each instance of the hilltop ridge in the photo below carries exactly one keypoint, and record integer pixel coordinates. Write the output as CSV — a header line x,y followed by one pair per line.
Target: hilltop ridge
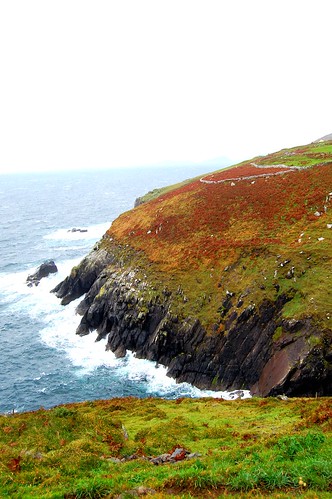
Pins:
x,y
225,278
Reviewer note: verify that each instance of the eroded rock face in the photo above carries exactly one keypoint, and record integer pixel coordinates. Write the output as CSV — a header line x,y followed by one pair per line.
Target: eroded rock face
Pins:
x,y
246,355
82,278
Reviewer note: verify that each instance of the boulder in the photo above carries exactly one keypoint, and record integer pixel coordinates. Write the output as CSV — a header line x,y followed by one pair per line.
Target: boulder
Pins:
x,y
44,270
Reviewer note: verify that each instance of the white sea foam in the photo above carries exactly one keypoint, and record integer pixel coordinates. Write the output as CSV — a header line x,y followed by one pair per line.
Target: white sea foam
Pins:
x,y
14,286
87,354
84,352
93,232
157,381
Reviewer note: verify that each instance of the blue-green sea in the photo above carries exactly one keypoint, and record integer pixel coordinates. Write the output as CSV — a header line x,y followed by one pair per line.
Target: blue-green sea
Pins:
x,y
43,362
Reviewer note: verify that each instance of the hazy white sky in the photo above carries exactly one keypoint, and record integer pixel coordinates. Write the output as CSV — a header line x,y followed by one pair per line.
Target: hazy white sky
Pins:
x,y
131,82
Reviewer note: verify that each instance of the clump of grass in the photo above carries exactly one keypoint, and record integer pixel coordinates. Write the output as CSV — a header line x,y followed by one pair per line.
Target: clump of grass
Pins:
x,y
290,446
93,488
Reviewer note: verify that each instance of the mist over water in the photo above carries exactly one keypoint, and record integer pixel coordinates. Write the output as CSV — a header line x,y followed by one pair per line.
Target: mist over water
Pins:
x,y
43,362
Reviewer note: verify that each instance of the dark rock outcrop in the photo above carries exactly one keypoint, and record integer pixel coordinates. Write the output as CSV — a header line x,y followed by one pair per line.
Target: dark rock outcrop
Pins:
x,y
138,202
246,355
81,279
77,230
44,270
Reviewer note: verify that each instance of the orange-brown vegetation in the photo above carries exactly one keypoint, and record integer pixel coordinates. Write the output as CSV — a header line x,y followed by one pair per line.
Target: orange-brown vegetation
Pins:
x,y
248,170
200,221
189,234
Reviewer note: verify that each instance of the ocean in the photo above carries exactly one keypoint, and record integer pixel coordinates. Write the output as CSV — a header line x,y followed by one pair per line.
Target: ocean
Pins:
x,y
43,362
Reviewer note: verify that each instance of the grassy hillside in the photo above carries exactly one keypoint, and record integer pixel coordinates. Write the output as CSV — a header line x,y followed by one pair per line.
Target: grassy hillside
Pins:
x,y
253,237
257,230
255,447
224,279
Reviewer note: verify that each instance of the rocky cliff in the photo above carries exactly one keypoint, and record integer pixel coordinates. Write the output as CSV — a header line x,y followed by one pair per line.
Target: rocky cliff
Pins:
x,y
224,279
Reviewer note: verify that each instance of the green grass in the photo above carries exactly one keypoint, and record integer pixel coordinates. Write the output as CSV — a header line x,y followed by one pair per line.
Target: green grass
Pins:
x,y
155,193
303,156
256,447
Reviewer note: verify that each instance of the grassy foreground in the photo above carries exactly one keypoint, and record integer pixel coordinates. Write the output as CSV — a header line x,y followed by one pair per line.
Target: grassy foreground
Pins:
x,y
244,448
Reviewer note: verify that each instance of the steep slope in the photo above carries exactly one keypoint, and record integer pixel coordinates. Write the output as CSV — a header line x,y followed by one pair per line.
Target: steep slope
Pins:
x,y
226,279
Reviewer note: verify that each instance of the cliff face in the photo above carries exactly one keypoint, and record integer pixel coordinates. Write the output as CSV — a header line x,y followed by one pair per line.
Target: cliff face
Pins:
x,y
225,279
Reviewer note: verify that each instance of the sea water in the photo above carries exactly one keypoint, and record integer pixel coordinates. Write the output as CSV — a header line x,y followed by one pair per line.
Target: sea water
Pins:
x,y
43,362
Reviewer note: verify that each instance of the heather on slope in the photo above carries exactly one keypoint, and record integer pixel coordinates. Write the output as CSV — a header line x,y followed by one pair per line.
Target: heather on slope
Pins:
x,y
256,237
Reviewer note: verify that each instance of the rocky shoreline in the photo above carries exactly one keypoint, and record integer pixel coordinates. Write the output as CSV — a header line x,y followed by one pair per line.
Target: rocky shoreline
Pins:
x,y
245,356
227,283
